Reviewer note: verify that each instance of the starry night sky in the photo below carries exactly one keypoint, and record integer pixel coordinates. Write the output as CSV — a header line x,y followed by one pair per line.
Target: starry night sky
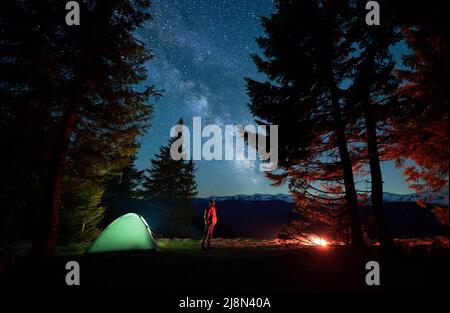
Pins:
x,y
202,53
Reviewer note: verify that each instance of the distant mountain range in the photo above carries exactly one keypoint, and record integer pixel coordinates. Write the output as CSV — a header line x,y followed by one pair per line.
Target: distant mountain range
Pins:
x,y
256,197
262,215
442,199
393,197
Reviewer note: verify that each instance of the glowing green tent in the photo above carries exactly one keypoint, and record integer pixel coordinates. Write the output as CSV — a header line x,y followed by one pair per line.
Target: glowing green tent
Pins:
x,y
127,233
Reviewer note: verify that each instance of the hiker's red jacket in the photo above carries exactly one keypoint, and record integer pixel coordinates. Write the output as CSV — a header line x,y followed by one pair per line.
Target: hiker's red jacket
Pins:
x,y
210,215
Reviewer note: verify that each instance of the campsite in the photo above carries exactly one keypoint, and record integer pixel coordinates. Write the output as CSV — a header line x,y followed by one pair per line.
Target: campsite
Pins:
x,y
126,257
194,152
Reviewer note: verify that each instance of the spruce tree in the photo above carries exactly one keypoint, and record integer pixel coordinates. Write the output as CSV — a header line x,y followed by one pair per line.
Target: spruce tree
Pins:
x,y
421,125
28,98
172,182
372,99
123,187
304,60
78,84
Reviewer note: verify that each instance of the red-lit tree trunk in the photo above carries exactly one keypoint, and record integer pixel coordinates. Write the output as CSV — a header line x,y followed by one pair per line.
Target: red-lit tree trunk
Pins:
x,y
347,169
376,195
48,222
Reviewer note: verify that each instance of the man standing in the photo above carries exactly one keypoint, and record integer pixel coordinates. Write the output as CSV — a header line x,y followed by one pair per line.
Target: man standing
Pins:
x,y
210,218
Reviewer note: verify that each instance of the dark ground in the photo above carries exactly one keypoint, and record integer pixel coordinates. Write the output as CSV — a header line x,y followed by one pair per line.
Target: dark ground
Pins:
x,y
236,270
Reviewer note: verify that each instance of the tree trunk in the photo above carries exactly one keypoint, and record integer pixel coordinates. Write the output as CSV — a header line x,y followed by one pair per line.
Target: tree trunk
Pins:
x,y
48,227
48,221
376,196
349,182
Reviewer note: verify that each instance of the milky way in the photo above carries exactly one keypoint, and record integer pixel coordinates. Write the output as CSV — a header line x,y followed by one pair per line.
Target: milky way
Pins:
x,y
202,53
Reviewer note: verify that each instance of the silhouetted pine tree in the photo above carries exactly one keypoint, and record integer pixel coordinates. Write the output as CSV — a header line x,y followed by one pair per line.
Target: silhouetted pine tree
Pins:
x,y
372,99
304,59
421,129
79,82
172,182
124,187
28,98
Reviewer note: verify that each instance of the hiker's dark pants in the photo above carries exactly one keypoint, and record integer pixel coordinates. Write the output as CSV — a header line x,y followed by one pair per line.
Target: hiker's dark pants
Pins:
x,y
208,234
